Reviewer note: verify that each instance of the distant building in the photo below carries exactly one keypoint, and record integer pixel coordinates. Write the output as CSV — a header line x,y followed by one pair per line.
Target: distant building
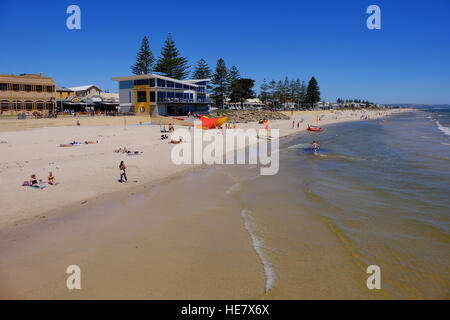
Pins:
x,y
86,99
158,95
27,93
86,91
254,103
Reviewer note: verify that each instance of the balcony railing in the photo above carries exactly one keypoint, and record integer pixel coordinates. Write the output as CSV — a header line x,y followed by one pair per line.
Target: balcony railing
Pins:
x,y
181,100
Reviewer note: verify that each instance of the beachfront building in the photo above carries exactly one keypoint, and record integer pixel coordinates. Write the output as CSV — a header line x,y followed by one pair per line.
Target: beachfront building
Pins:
x,y
158,95
26,93
253,103
89,98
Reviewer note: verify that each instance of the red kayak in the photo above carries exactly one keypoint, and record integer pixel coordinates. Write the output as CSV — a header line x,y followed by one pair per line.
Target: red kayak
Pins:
x,y
178,118
314,129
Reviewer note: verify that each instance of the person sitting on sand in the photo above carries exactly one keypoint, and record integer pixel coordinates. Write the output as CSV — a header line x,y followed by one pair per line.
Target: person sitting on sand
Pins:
x,y
51,178
33,181
315,146
176,141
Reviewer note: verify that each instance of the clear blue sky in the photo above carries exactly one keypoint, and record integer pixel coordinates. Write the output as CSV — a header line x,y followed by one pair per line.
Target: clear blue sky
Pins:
x,y
407,61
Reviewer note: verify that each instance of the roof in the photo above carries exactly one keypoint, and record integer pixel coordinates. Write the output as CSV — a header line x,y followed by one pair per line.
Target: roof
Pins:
x,y
84,88
197,80
63,89
153,75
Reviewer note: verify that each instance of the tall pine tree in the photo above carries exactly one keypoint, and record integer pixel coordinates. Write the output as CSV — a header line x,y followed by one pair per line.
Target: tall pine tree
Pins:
x,y
219,80
202,70
264,94
171,64
312,92
232,77
144,59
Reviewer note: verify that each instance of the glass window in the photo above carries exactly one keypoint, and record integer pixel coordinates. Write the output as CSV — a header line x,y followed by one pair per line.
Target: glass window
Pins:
x,y
126,84
141,82
39,106
5,106
49,88
27,87
15,87
161,95
179,95
170,94
3,86
142,96
178,85
161,83
151,82
129,96
39,88
185,86
170,84
152,96
28,106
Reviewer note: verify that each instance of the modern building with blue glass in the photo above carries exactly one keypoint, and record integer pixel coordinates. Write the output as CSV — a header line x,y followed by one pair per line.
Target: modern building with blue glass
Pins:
x,y
155,95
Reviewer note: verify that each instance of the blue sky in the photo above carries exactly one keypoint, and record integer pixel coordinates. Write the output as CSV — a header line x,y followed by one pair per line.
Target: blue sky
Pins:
x,y
407,61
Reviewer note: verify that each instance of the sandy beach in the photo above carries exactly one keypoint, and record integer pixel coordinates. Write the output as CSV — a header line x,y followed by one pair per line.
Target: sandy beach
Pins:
x,y
82,218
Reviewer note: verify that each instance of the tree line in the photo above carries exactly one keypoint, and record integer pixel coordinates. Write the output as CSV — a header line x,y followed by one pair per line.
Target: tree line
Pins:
x,y
227,83
278,93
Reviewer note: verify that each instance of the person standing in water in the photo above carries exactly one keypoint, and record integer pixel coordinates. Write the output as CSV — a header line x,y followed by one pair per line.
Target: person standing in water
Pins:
x,y
315,146
123,173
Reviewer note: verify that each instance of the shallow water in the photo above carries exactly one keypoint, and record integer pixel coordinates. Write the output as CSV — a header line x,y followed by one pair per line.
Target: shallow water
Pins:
x,y
380,190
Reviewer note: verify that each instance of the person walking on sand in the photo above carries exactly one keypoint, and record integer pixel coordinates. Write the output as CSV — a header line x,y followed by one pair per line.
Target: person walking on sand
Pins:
x,y
123,173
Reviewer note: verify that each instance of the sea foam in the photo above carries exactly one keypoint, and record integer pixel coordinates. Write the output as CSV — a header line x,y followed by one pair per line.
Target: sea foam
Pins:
x,y
258,244
445,130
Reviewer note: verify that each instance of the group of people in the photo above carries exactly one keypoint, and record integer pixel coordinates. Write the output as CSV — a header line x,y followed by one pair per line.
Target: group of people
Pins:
x,y
33,182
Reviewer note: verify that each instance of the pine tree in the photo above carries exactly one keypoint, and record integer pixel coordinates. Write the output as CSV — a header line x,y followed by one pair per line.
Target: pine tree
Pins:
x,y
264,94
202,70
171,64
232,76
273,91
219,80
242,90
312,92
144,59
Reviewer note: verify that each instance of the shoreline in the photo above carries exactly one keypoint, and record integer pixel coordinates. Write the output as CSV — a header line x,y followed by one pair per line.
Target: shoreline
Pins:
x,y
18,233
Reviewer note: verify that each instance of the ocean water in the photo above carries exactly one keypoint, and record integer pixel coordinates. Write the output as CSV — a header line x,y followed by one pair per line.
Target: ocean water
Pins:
x,y
376,193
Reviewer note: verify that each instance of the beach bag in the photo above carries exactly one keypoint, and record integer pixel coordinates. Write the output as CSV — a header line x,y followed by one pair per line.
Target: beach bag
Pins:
x,y
26,183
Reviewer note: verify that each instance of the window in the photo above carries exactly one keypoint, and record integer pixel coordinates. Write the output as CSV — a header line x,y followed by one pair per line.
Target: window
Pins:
x,y
126,84
28,106
38,88
3,86
142,96
178,85
161,95
27,87
49,88
151,82
152,96
141,82
40,106
15,87
179,95
161,83
5,106
129,96
170,84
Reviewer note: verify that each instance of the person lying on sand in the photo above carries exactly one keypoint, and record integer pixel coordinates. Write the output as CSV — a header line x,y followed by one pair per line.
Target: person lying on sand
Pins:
x,y
91,142
176,141
121,150
51,178
164,136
